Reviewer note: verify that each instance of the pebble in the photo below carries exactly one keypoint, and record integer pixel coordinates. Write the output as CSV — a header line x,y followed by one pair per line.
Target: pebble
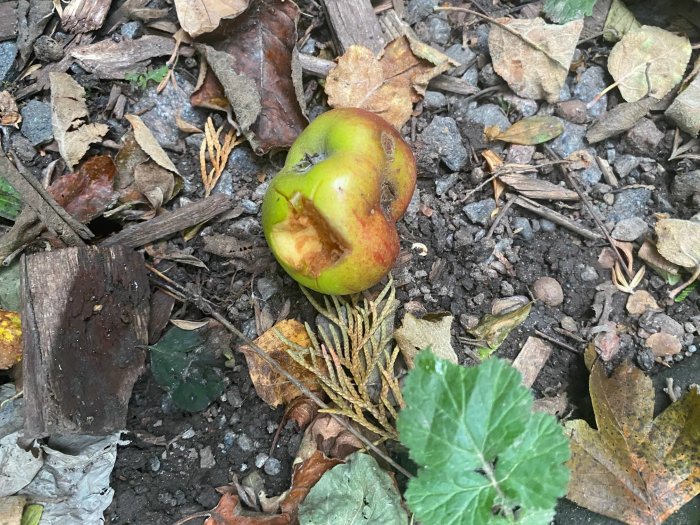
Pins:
x,y
643,138
547,226
488,115
245,443
630,229
440,141
434,100
47,49
443,184
692,349
417,10
488,77
624,164
479,212
685,185
548,290
573,110
8,53
23,147
641,301
436,30
206,458
272,467
233,395
589,274
588,85
569,141
36,122
663,344
689,327
645,359
132,30
569,324
526,107
668,325
520,154
463,55
522,226
629,203
154,464
260,459
268,287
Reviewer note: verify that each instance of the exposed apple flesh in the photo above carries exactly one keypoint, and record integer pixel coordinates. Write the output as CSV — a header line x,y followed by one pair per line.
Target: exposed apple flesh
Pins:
x,y
329,215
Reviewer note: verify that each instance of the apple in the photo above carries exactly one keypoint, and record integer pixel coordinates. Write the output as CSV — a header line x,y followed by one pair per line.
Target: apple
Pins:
x,y
330,214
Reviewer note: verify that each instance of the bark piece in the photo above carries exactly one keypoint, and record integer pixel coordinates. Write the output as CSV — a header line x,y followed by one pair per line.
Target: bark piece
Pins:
x,y
532,357
354,23
84,320
81,16
8,21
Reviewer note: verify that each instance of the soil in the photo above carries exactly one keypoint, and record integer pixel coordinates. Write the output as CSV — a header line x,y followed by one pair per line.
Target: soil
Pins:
x,y
174,460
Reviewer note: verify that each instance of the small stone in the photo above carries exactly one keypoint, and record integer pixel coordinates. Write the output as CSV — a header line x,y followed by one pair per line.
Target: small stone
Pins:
x,y
630,229
245,443
488,77
668,325
547,226
678,357
434,100
569,324
417,10
569,141
520,154
573,110
154,464
488,115
508,304
36,122
692,349
685,185
22,147
260,459
526,107
436,30
548,291
188,434
272,467
443,184
645,359
624,164
463,55
663,344
643,138
589,274
132,30
47,49
206,458
589,84
8,53
523,228
689,327
629,203
609,199
479,212
440,141
640,302
233,395
268,287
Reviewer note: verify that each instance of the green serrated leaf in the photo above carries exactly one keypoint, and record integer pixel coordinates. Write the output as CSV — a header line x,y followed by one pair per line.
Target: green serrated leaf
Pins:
x,y
10,202
563,11
32,514
354,493
686,292
184,365
484,456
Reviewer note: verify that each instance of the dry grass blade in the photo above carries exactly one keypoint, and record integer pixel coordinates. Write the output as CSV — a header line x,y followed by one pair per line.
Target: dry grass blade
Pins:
x,y
353,359
620,281
218,154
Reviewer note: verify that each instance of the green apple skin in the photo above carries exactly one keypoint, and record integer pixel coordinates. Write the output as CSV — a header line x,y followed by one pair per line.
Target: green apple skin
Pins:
x,y
329,215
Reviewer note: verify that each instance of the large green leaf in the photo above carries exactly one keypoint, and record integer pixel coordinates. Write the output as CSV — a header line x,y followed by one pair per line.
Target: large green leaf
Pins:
x,y
354,493
563,11
186,366
484,456
10,202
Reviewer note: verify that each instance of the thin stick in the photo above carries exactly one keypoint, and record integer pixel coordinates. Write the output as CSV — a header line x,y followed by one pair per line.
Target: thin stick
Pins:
x,y
590,208
556,217
511,200
205,306
557,342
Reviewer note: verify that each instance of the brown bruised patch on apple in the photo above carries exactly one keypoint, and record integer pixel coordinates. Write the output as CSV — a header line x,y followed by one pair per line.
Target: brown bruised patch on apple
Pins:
x,y
306,240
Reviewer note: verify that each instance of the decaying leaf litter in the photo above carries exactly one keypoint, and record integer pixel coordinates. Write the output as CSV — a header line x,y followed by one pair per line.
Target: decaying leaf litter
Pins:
x,y
538,253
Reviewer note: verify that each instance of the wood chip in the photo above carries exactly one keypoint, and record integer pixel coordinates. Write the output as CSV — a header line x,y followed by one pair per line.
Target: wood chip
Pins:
x,y
532,357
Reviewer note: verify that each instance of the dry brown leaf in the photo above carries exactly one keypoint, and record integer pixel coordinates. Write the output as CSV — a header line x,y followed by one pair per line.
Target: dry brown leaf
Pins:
x,y
203,16
536,188
619,119
304,477
230,512
9,114
528,131
185,324
155,183
536,63
679,242
330,436
648,61
634,468
270,386
68,119
387,85
433,331
149,144
10,339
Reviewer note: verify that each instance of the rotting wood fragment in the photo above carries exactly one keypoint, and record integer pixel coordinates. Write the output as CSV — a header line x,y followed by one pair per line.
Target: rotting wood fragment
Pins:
x,y
82,16
84,321
354,23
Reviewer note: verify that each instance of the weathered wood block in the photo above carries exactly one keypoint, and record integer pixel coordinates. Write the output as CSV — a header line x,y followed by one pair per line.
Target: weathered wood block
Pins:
x,y
84,321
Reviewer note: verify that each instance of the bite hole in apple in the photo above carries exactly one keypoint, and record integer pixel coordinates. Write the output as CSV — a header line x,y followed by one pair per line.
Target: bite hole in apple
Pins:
x,y
306,241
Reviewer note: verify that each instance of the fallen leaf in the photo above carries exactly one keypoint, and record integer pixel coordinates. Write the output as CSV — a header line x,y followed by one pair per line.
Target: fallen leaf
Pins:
x,y
304,476
327,434
562,11
185,324
619,119
679,242
536,188
203,16
536,63
155,183
387,85
432,331
10,200
229,512
10,339
88,192
619,22
493,329
253,57
650,255
108,59
68,111
648,61
32,514
149,144
9,114
528,131
270,386
634,468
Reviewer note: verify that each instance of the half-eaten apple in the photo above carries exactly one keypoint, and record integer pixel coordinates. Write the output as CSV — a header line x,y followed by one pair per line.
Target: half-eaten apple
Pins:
x,y
330,214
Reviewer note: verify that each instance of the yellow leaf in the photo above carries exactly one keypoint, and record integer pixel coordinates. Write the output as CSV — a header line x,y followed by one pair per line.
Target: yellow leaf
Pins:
x,y
10,339
529,131
634,468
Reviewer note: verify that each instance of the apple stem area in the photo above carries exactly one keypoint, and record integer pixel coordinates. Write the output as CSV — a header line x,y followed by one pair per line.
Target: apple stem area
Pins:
x,y
308,243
